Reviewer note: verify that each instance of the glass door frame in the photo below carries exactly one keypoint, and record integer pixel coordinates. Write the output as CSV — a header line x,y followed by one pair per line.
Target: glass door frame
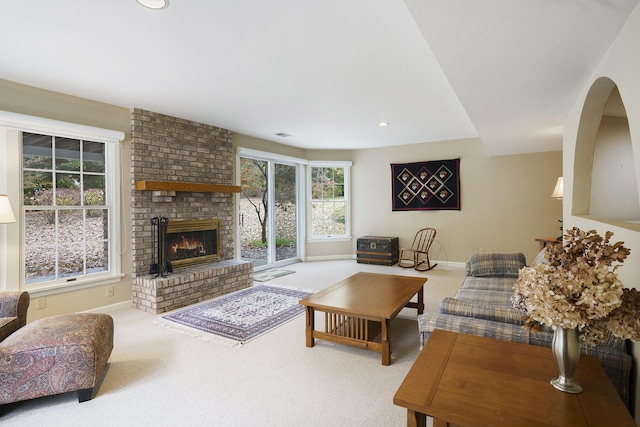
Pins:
x,y
272,159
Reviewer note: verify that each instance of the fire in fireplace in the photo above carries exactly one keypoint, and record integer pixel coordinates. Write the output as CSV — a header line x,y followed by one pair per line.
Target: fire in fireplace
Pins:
x,y
190,242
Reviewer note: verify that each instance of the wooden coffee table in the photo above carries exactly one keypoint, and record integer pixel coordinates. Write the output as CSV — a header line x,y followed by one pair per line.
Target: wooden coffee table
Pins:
x,y
466,380
360,308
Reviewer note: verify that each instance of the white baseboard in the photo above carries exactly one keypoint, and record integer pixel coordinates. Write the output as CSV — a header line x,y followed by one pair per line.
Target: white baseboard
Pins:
x,y
446,264
111,307
449,264
329,257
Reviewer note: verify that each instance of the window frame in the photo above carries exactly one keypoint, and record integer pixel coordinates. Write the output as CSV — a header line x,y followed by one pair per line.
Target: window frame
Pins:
x,y
346,165
11,127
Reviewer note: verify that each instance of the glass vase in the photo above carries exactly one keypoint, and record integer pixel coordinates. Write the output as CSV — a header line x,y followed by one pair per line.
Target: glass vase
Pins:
x,y
566,353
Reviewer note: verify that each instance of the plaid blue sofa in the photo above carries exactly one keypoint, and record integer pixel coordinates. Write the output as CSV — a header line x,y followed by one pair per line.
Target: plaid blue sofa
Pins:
x,y
482,306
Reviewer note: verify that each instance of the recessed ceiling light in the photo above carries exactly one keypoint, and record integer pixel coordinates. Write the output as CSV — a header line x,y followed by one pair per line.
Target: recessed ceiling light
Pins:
x,y
383,124
154,4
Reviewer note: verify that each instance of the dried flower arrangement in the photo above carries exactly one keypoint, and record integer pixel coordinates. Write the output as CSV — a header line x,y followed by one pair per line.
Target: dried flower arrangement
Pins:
x,y
578,288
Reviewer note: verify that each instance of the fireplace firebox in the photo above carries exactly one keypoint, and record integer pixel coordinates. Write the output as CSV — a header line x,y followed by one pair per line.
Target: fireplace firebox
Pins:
x,y
191,242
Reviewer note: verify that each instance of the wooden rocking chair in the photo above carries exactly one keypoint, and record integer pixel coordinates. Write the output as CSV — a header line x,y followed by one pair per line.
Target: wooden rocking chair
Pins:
x,y
418,254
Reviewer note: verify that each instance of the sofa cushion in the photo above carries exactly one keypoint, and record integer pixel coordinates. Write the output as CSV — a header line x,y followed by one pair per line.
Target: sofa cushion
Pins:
x,y
481,311
495,284
491,298
428,322
496,264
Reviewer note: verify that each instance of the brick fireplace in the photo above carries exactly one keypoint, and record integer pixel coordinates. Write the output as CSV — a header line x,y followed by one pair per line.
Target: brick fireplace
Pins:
x,y
183,171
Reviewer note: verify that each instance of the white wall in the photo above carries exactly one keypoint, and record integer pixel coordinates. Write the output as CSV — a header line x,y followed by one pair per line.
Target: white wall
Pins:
x,y
614,192
622,65
505,203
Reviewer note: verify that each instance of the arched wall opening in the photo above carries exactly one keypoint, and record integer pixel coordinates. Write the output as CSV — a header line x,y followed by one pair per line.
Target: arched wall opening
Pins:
x,y
605,183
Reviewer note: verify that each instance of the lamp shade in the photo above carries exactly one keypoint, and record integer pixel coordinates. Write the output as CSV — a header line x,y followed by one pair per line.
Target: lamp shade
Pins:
x,y
557,192
6,214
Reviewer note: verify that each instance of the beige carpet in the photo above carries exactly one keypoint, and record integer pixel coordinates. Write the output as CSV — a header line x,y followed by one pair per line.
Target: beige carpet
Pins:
x,y
157,377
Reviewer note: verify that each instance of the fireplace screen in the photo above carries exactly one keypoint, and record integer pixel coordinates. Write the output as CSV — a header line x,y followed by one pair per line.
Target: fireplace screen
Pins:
x,y
192,242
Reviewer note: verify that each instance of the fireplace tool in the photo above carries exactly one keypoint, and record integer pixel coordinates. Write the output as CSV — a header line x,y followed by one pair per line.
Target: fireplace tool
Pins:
x,y
160,263
155,250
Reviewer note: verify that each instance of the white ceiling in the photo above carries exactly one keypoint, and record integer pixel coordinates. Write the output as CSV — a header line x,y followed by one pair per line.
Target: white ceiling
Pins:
x,y
325,71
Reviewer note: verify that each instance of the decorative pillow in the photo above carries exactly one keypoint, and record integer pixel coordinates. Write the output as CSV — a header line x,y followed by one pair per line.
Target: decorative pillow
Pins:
x,y
496,264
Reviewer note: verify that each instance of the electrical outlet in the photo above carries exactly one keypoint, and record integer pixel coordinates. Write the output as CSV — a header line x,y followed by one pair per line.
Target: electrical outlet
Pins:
x,y
483,250
438,249
109,290
41,303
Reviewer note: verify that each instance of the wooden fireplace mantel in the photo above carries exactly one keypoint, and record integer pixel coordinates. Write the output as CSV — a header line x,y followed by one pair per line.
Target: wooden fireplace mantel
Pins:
x,y
186,187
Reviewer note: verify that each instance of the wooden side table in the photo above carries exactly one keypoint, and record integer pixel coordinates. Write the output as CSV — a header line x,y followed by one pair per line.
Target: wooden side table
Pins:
x,y
466,380
545,241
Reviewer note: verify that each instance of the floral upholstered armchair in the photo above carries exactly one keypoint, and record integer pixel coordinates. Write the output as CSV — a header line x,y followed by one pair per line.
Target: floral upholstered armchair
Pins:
x,y
13,312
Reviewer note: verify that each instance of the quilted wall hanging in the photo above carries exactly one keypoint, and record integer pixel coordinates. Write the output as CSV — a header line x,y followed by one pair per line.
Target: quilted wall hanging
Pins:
x,y
432,185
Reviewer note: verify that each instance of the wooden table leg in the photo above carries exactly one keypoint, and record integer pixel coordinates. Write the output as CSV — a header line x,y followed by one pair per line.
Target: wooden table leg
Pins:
x,y
418,305
310,325
437,422
416,419
386,342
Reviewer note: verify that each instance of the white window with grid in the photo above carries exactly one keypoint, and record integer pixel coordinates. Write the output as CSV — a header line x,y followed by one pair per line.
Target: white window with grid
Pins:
x,y
67,189
329,216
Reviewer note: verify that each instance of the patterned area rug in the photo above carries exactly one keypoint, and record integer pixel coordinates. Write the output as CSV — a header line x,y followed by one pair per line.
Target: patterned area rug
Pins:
x,y
265,276
244,315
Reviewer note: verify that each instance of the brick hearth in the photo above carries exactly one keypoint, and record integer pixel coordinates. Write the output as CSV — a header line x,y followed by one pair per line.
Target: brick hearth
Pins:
x,y
190,285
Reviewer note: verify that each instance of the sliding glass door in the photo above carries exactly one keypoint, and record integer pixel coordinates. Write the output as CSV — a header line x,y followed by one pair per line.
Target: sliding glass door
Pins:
x,y
285,201
269,213
254,211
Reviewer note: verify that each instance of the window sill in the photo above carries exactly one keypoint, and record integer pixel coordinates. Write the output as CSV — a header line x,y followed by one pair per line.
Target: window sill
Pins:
x,y
36,291
329,239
